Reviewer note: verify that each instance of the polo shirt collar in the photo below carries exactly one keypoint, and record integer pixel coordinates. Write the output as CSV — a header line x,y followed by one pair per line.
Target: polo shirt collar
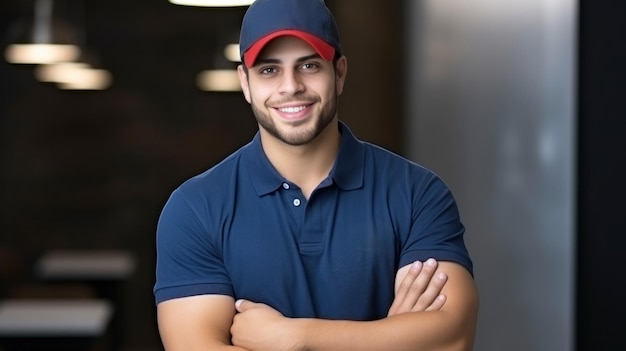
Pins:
x,y
347,172
349,166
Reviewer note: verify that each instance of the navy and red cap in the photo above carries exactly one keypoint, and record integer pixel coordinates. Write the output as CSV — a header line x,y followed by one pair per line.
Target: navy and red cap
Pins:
x,y
309,20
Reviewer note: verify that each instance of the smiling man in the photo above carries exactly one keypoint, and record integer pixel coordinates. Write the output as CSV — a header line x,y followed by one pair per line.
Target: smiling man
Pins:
x,y
307,238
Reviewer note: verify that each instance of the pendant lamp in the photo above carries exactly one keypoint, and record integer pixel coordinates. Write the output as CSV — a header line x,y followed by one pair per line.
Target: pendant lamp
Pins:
x,y
212,3
42,39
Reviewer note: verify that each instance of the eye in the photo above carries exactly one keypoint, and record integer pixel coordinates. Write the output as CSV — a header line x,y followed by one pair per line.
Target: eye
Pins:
x,y
310,67
267,70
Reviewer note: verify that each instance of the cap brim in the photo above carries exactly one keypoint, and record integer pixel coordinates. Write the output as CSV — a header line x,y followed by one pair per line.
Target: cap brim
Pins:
x,y
325,50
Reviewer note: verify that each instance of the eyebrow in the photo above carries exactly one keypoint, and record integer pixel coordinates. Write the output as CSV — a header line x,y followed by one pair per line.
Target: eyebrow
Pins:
x,y
271,60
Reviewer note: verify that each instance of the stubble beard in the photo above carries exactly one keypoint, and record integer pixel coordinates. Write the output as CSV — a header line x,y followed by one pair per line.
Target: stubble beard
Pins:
x,y
300,136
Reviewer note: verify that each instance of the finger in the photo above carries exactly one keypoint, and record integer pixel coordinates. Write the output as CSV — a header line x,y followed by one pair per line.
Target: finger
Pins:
x,y
409,289
241,305
409,279
437,304
415,299
429,298
405,285
430,266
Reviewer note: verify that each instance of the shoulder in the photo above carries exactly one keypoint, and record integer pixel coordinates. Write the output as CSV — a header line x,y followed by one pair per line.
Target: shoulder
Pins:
x,y
390,164
376,161
402,178
205,192
213,179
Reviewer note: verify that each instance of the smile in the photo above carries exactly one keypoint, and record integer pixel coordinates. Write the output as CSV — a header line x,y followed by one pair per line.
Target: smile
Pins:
x,y
291,109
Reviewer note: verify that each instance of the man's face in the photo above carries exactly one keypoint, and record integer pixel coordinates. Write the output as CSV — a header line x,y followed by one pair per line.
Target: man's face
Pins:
x,y
293,92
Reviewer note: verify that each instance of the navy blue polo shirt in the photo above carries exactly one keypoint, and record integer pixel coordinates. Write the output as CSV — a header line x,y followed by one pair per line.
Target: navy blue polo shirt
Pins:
x,y
241,229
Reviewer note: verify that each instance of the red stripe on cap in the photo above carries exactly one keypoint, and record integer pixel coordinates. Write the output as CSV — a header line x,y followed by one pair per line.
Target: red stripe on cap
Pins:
x,y
325,50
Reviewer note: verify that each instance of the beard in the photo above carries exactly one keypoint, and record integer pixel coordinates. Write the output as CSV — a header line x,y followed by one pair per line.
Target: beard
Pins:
x,y
297,136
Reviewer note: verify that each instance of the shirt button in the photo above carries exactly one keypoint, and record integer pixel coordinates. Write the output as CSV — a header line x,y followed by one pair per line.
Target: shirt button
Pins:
x,y
285,186
296,202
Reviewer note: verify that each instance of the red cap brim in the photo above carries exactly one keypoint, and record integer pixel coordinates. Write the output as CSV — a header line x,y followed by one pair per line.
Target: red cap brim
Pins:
x,y
325,50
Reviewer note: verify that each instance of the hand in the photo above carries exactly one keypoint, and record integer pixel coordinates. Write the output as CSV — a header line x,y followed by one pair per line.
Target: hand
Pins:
x,y
259,327
420,289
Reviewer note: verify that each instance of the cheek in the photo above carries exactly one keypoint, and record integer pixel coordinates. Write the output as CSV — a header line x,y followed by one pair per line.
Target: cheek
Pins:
x,y
260,93
243,81
333,90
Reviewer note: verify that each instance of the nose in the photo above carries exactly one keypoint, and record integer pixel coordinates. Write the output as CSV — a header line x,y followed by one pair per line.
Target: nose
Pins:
x,y
291,83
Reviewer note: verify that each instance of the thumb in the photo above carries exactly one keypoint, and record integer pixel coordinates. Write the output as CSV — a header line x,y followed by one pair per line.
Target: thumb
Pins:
x,y
242,305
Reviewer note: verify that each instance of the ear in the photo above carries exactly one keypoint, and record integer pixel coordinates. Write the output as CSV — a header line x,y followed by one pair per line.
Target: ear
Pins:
x,y
243,80
341,70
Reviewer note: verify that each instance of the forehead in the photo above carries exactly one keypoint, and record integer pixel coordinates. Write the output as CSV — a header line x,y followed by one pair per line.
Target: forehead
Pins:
x,y
286,46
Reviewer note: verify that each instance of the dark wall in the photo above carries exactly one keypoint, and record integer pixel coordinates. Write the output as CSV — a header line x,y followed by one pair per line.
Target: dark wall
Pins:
x,y
602,172
91,169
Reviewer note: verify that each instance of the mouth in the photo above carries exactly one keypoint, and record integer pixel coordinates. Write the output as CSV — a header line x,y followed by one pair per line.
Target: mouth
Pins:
x,y
294,112
292,109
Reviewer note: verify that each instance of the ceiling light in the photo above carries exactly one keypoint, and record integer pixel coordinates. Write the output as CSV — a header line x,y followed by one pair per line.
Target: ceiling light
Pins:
x,y
74,75
58,72
212,3
218,80
40,53
231,52
88,79
42,39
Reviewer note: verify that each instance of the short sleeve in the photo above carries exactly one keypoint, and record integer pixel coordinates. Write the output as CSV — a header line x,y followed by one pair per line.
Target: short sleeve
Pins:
x,y
436,229
189,259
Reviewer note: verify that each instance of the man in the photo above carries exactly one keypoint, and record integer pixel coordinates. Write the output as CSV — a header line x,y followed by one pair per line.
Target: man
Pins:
x,y
307,238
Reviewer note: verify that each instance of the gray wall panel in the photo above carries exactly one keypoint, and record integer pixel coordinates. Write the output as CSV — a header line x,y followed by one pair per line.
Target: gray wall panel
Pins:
x,y
491,109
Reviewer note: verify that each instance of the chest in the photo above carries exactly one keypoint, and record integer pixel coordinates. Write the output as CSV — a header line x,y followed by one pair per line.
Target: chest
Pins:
x,y
313,256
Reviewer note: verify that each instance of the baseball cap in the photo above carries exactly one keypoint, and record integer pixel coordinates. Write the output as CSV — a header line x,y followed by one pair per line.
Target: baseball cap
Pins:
x,y
309,20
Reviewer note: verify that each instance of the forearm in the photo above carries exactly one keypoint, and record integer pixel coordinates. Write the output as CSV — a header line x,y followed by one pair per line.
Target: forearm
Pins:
x,y
259,327
435,330
450,328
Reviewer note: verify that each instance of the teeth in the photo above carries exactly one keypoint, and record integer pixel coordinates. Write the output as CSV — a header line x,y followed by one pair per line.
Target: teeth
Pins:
x,y
294,109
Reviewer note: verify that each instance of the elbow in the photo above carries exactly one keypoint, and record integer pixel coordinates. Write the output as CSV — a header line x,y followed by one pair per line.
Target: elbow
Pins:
x,y
467,328
463,338
465,343
461,342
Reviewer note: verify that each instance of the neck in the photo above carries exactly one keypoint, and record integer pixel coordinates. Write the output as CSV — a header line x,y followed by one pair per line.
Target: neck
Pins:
x,y
304,165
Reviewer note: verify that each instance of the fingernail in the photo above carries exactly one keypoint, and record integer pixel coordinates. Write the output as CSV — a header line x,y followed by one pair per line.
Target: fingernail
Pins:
x,y
430,262
238,303
416,264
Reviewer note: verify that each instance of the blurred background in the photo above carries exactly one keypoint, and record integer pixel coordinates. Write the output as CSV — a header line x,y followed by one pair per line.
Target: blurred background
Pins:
x,y
517,105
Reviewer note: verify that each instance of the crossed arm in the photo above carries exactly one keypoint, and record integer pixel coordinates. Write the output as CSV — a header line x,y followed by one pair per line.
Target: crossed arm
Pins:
x,y
425,315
